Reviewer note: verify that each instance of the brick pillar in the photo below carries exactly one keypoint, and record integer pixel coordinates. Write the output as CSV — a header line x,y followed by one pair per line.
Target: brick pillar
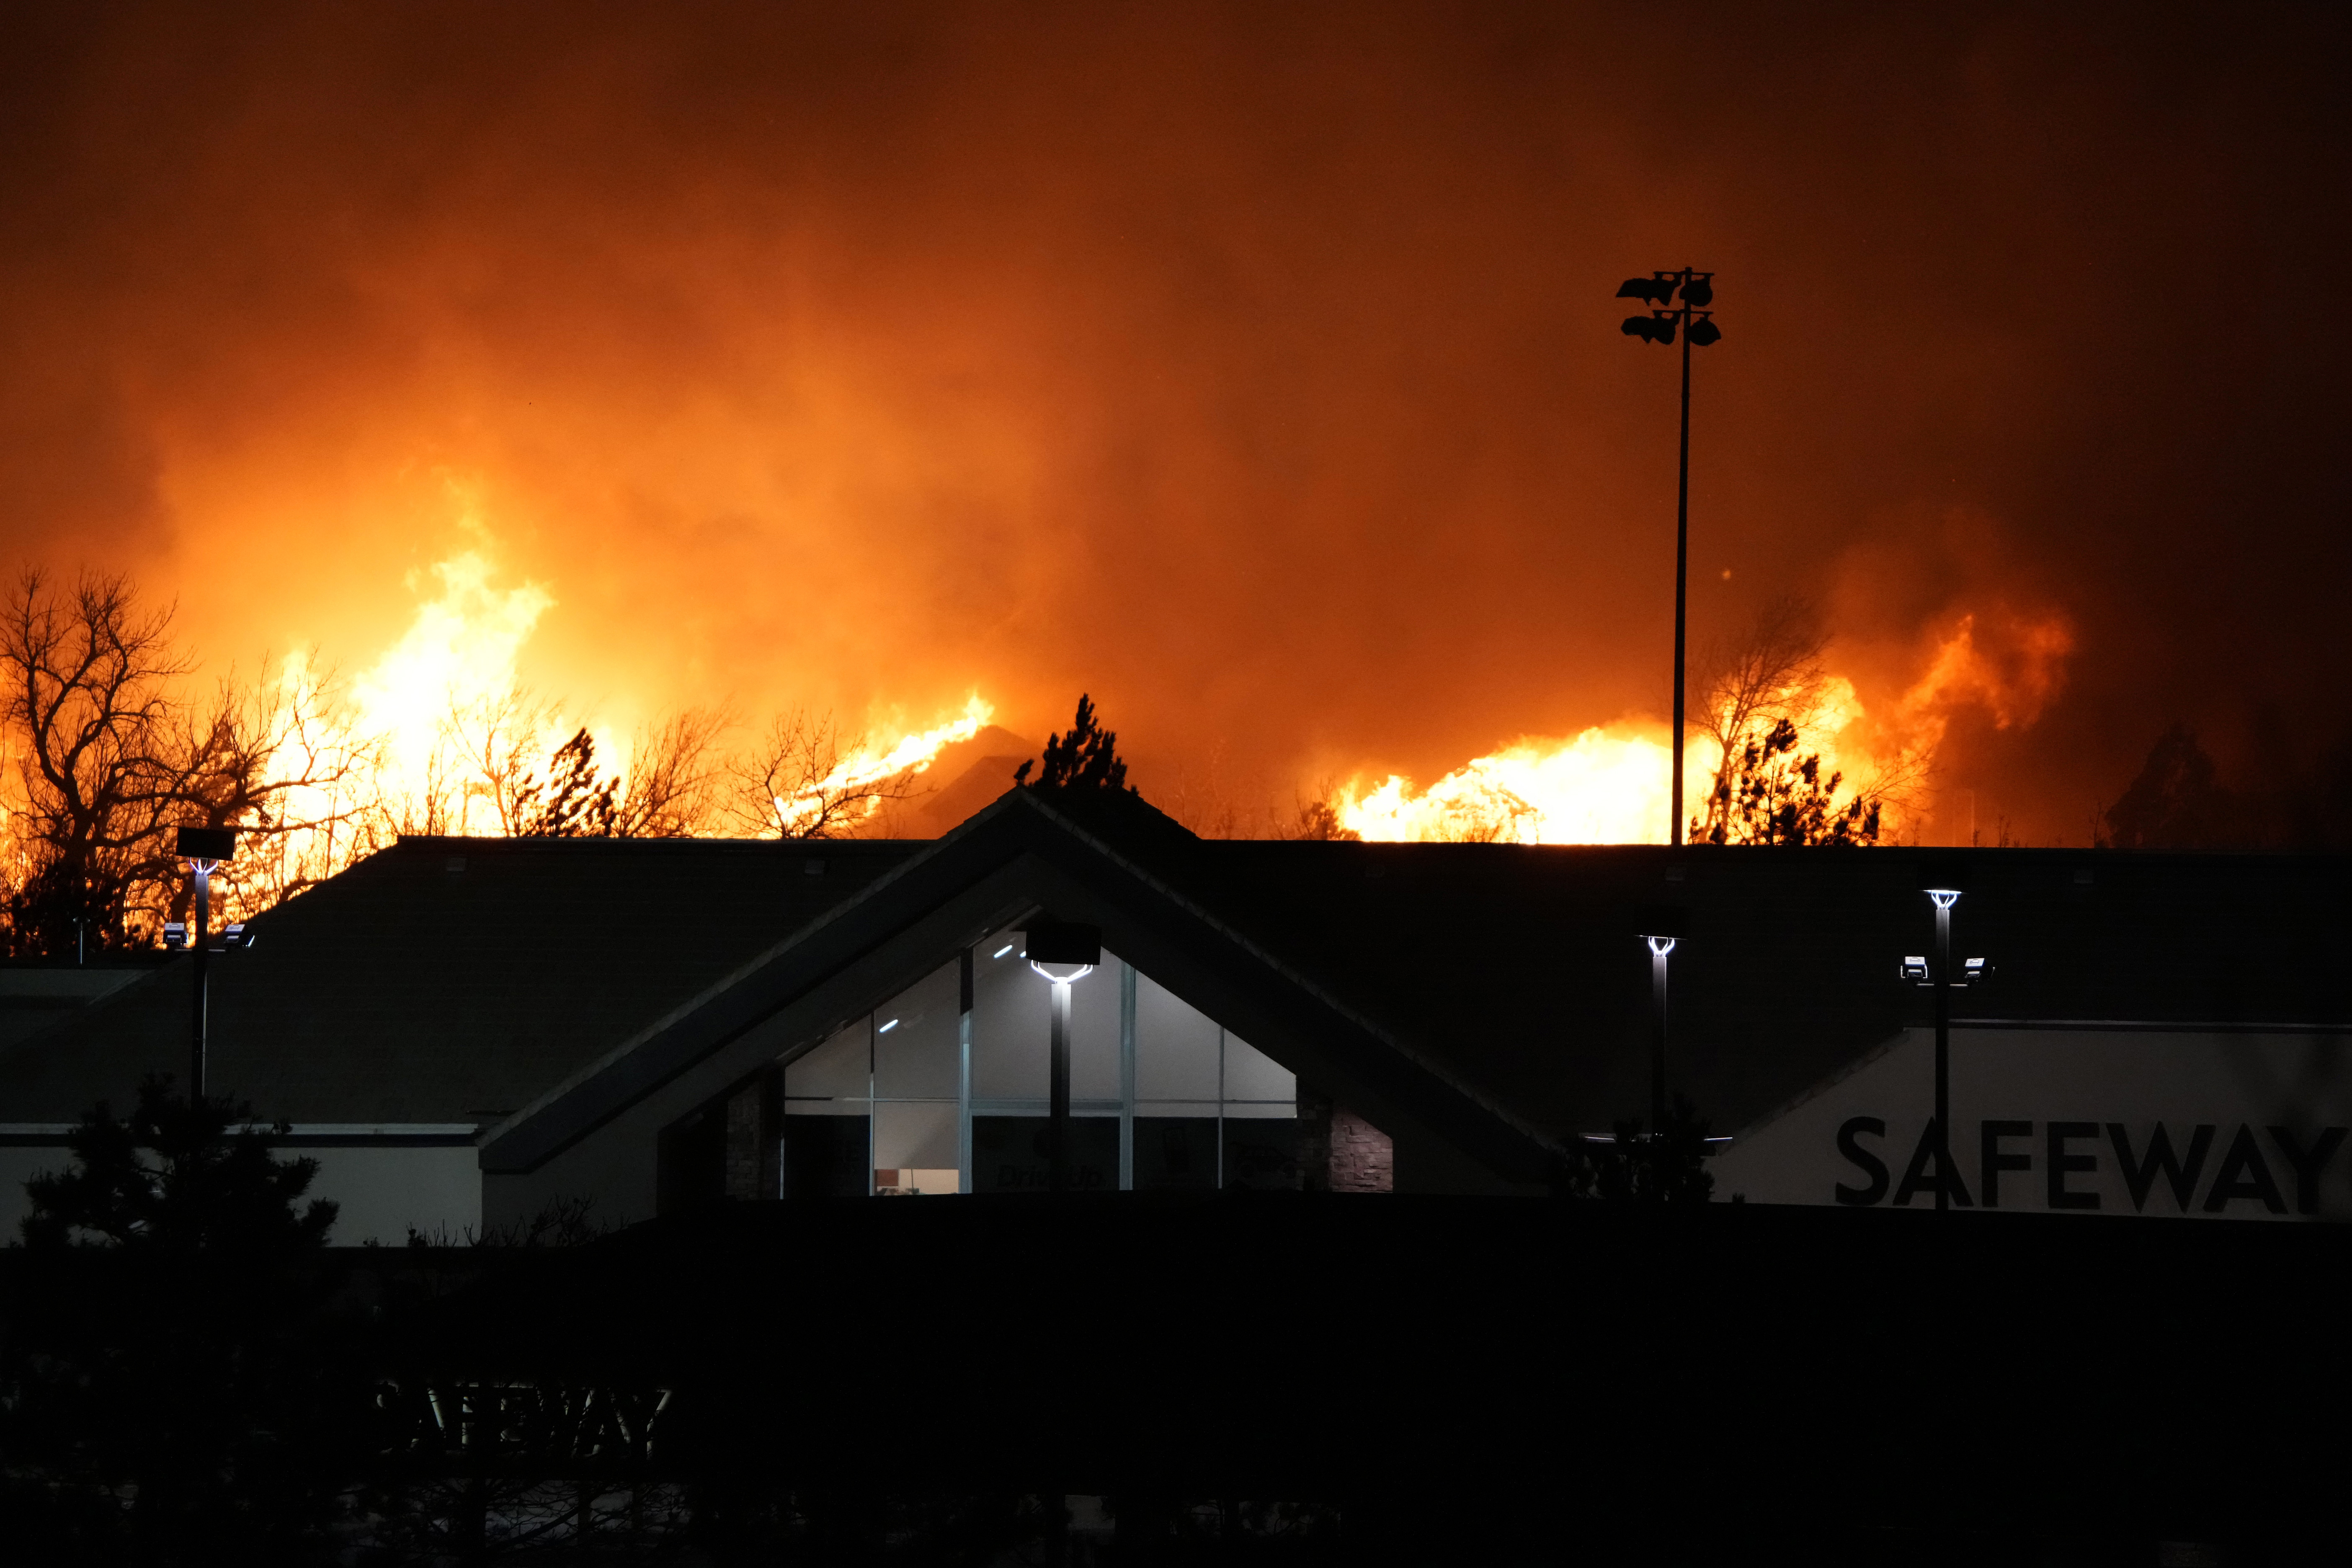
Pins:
x,y
1362,1157
1338,1150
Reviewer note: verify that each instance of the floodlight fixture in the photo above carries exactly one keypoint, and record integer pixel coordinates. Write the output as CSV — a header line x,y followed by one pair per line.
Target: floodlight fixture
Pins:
x,y
198,846
1699,290
176,933
237,935
1063,953
1914,968
1704,333
1975,972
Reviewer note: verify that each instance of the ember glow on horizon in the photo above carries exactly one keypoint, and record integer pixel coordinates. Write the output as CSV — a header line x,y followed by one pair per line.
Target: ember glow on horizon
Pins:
x,y
1255,371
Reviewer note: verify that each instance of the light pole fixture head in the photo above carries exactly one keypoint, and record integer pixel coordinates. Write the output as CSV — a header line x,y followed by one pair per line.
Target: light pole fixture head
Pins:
x,y
1944,881
1663,925
1061,951
1650,290
1704,332
1699,292
205,848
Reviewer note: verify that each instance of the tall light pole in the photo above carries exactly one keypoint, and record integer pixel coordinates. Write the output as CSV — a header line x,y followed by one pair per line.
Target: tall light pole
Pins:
x,y
1063,954
1945,883
1696,322
1944,898
206,851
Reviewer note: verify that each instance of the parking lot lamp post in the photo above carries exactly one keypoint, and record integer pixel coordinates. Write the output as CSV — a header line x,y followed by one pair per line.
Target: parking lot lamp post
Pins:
x,y
206,850
1063,954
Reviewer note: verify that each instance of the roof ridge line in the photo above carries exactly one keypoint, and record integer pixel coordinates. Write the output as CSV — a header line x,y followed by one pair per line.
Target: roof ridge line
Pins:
x,y
1313,988
733,977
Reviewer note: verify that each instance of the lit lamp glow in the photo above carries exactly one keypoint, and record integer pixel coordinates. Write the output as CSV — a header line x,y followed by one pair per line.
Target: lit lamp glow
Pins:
x,y
1663,929
206,851
1063,954
1944,890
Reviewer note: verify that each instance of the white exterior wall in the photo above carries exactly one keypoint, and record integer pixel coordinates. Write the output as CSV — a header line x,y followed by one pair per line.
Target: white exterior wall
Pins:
x,y
2080,1098
381,1189
384,1191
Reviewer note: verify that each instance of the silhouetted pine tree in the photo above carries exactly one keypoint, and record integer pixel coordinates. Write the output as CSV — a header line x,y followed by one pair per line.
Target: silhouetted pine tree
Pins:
x,y
1086,757
175,1177
2179,802
172,1389
1767,794
573,802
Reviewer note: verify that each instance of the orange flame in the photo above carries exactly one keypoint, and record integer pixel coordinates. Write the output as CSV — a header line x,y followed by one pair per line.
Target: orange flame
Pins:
x,y
1608,784
868,766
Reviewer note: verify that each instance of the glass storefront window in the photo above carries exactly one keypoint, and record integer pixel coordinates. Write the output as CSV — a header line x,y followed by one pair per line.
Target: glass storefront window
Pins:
x,y
920,1097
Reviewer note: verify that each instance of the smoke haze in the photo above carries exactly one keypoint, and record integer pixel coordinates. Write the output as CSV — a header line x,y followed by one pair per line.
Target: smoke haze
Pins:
x,y
1252,368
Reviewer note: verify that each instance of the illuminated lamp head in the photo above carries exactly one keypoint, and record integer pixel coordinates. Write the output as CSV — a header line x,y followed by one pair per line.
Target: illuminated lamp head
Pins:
x,y
205,848
1944,881
1662,926
1063,952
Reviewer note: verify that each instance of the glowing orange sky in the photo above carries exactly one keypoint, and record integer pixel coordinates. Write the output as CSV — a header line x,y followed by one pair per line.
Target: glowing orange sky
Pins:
x,y
1255,369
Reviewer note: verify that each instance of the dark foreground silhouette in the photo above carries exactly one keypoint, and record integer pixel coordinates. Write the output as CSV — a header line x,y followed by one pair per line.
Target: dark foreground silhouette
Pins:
x,y
1130,1379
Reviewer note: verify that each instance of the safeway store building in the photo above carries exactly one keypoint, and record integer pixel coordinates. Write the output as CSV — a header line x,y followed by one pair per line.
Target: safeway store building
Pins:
x,y
465,1032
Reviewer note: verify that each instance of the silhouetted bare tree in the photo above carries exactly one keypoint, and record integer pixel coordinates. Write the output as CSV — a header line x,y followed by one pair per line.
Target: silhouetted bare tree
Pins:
x,y
674,775
804,780
1759,692
111,755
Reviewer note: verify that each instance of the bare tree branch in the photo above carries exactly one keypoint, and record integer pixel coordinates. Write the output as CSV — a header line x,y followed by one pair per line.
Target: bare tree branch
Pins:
x,y
675,775
803,779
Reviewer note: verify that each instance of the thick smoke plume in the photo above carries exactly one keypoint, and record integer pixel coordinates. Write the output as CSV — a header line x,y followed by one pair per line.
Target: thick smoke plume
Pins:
x,y
1252,368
